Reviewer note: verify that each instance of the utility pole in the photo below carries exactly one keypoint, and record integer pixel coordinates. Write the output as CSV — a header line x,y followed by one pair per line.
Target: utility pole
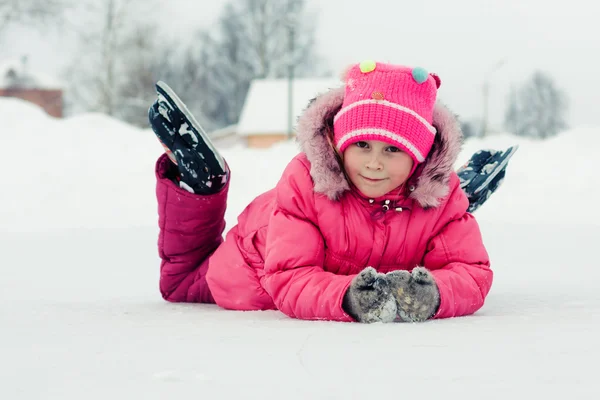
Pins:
x,y
486,96
291,40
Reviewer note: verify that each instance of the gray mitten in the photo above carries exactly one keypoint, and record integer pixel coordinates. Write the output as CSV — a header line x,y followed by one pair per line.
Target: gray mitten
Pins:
x,y
417,295
368,299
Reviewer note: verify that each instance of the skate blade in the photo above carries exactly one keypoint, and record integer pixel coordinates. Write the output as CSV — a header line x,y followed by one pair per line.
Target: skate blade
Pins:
x,y
510,152
164,90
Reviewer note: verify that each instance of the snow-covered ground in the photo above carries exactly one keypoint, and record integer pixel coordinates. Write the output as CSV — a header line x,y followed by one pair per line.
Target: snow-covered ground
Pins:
x,y
81,315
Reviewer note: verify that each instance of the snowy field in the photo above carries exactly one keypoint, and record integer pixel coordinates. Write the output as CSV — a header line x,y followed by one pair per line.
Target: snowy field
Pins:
x,y
81,316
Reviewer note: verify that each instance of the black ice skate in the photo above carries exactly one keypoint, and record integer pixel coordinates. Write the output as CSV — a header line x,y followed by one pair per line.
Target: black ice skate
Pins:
x,y
202,169
483,174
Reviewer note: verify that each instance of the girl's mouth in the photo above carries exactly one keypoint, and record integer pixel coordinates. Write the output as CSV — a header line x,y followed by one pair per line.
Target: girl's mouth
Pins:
x,y
371,180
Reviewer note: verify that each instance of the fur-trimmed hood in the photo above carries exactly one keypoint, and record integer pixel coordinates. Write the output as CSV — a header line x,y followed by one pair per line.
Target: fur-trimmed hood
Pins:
x,y
430,181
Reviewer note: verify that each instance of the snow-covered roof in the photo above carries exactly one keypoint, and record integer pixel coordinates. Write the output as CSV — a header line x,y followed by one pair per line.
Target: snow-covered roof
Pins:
x,y
265,110
17,74
225,131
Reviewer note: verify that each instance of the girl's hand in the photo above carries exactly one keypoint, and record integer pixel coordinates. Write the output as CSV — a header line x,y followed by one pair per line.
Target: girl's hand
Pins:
x,y
369,299
417,295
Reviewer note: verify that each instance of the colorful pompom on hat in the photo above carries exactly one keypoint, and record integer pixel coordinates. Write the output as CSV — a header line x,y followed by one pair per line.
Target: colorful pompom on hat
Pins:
x,y
390,103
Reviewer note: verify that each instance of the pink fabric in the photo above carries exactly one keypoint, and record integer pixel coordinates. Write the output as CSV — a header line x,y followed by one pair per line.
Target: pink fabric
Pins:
x,y
297,251
387,104
190,231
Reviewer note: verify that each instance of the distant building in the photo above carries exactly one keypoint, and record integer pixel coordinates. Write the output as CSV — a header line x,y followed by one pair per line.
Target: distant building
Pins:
x,y
264,117
16,80
226,137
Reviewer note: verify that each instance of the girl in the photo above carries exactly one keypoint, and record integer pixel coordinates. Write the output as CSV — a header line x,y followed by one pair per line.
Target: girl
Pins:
x,y
368,223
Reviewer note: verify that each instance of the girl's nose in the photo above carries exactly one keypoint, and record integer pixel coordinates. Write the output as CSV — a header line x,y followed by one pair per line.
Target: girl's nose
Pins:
x,y
374,163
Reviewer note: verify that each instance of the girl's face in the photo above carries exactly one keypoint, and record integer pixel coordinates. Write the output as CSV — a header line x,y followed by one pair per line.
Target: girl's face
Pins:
x,y
376,168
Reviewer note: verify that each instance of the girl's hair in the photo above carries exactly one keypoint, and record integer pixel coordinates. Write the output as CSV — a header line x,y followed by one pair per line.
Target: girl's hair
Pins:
x,y
328,133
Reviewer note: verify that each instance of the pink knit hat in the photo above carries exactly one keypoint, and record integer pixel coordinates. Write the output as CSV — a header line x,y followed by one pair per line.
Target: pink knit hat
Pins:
x,y
390,103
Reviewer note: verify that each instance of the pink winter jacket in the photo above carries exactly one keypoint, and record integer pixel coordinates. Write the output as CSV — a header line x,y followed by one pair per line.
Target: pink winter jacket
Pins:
x,y
297,247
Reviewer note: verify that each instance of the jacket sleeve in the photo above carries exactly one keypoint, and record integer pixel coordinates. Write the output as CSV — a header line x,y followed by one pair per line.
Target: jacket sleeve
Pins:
x,y
190,230
458,259
295,253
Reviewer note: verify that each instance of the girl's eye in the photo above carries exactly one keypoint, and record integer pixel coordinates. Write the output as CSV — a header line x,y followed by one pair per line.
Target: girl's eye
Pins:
x,y
362,145
393,149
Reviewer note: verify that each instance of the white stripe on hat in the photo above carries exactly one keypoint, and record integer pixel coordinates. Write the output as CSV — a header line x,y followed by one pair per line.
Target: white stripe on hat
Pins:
x,y
387,104
382,132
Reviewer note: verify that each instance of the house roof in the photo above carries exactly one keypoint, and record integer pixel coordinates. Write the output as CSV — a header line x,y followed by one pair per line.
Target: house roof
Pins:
x,y
17,74
265,110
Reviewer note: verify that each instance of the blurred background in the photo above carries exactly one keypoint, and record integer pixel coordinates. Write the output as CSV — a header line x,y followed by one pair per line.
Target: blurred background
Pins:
x,y
500,61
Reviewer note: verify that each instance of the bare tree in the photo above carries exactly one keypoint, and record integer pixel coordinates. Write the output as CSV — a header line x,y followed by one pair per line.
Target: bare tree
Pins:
x,y
30,12
538,109
121,57
253,39
144,62
113,42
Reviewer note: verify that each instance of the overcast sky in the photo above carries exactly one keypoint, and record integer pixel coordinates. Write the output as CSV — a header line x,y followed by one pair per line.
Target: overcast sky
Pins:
x,y
460,40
